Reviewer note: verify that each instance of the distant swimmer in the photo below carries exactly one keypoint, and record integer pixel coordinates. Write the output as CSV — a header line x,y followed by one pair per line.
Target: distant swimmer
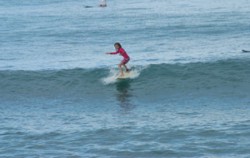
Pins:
x,y
103,3
87,6
246,51
126,58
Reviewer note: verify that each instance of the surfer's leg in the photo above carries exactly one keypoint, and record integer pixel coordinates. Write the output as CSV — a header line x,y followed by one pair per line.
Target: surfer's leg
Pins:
x,y
120,68
124,62
127,70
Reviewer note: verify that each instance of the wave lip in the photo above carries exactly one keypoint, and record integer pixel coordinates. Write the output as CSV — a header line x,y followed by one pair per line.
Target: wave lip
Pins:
x,y
221,78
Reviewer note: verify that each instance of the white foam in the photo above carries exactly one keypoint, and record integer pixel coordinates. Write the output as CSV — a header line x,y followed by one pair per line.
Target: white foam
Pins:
x,y
111,78
114,73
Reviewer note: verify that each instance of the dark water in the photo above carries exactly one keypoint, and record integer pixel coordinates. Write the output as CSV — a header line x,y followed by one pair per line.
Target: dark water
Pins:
x,y
227,79
189,95
169,110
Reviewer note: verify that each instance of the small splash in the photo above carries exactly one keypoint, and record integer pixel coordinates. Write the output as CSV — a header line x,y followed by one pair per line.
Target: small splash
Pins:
x,y
114,73
111,78
134,73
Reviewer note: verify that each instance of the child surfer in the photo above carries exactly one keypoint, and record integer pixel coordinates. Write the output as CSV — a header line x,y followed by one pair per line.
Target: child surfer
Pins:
x,y
123,53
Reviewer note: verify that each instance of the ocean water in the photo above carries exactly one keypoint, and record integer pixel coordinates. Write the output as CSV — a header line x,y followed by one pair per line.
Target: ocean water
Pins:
x,y
189,95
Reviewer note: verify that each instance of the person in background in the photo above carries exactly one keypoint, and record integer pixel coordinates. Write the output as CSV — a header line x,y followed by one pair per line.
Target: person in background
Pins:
x,y
103,3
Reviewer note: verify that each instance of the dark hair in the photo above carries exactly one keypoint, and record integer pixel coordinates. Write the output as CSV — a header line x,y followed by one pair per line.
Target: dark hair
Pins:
x,y
117,43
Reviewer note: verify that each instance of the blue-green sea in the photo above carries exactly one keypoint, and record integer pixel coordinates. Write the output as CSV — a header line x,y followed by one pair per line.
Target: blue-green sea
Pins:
x,y
188,96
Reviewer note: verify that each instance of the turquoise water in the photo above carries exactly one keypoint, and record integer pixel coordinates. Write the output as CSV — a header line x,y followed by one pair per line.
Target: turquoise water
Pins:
x,y
189,96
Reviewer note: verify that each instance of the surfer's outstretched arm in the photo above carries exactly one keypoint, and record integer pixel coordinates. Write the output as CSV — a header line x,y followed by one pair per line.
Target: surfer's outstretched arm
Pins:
x,y
112,53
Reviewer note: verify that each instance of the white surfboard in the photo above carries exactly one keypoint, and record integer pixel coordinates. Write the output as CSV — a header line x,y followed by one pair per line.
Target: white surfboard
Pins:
x,y
114,76
125,76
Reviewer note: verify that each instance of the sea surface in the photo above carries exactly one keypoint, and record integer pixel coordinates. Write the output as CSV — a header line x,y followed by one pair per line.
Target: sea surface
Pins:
x,y
188,95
